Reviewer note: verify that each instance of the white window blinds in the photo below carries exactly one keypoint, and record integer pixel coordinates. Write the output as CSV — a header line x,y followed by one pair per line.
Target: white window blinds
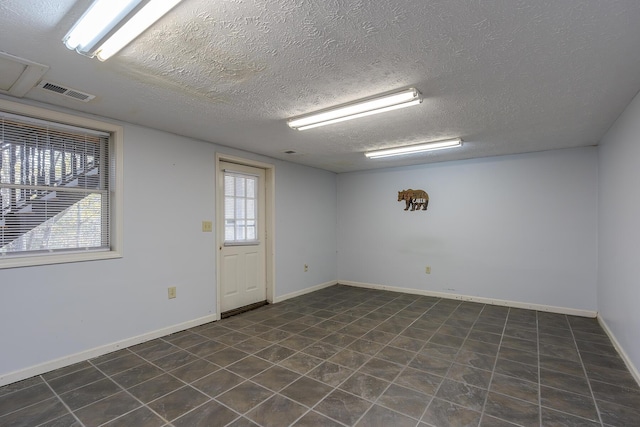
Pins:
x,y
54,187
240,208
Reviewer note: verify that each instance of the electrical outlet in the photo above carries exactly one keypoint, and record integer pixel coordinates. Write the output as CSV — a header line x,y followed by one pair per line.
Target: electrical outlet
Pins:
x,y
172,292
207,226
306,268
427,269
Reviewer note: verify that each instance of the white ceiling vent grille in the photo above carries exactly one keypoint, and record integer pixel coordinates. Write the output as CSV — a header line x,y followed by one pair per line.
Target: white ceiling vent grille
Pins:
x,y
66,91
292,153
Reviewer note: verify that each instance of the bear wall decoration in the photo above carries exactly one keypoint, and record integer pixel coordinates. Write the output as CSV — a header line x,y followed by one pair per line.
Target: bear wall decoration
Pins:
x,y
414,199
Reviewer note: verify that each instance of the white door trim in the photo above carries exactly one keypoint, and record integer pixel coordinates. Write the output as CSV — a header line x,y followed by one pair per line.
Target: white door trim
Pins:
x,y
269,221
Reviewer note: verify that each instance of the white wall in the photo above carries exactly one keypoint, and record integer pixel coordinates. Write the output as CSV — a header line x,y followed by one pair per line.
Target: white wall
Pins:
x,y
53,312
520,228
619,231
305,228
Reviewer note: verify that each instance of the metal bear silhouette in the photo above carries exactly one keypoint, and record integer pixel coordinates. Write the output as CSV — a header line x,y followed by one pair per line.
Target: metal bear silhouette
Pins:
x,y
414,199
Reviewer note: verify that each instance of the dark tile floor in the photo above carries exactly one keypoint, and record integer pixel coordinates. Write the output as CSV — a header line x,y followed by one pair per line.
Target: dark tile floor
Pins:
x,y
347,356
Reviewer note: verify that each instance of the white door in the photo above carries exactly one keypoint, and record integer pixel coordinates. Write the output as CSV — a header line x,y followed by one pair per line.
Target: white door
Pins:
x,y
242,251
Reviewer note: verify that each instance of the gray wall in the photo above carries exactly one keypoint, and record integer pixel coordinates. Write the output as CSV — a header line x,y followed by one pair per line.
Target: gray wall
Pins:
x,y
539,228
518,228
305,227
55,311
619,232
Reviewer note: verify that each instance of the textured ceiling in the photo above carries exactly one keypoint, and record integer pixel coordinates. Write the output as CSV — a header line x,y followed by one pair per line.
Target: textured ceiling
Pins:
x,y
507,76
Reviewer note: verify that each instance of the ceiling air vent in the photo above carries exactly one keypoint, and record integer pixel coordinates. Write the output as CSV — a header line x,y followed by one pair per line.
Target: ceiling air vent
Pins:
x,y
18,75
292,153
66,91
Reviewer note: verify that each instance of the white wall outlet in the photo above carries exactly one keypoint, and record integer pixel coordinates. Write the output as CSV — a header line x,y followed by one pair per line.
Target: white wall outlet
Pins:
x,y
427,269
172,292
306,268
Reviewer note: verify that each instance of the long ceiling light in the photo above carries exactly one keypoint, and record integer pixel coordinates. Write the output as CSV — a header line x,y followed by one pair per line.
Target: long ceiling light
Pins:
x,y
105,15
414,149
366,107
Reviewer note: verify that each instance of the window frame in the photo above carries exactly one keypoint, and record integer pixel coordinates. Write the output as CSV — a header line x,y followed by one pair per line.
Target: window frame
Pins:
x,y
237,174
115,187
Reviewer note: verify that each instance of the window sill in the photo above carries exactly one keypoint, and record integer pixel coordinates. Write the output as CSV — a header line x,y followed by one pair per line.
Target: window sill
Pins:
x,y
32,261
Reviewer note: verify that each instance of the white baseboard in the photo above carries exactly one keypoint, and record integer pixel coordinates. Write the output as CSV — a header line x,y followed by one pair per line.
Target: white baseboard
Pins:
x,y
304,291
627,360
492,301
31,371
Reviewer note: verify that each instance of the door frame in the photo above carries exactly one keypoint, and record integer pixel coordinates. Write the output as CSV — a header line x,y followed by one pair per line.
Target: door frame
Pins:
x,y
269,221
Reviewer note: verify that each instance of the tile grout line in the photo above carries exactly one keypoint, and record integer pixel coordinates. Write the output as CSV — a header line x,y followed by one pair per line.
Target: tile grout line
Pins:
x,y
370,357
63,403
584,370
334,388
382,310
32,404
375,402
539,368
444,377
493,370
309,409
128,393
405,328
164,371
496,361
222,368
453,362
210,399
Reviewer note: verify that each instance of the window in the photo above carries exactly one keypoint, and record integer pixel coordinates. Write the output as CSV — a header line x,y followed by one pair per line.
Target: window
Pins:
x,y
240,208
59,187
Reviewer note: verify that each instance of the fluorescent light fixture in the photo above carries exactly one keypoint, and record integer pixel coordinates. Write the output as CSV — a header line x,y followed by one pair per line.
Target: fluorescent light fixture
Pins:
x,y
414,149
105,15
101,17
366,107
142,20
